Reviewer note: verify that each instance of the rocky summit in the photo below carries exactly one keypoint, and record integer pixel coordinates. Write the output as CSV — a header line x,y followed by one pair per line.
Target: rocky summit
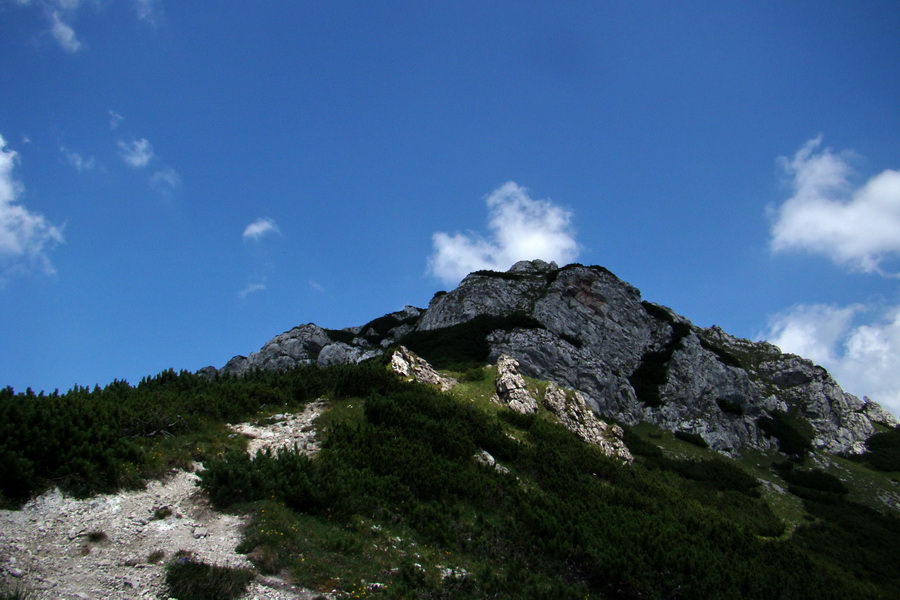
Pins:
x,y
629,360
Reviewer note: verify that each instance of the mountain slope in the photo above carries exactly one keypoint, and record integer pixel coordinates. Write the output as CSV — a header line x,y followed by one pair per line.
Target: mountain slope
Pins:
x,y
633,361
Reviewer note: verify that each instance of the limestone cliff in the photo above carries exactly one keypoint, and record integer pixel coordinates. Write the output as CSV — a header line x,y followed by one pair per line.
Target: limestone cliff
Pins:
x,y
631,360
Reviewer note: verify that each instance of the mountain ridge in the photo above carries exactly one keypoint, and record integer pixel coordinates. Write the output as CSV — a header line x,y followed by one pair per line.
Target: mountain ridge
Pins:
x,y
634,361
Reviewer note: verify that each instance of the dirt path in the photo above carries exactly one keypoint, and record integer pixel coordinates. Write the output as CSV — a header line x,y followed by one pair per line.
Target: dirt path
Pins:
x,y
116,546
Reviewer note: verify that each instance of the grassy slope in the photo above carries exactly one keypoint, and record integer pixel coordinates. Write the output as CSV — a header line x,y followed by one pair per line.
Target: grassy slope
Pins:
x,y
395,507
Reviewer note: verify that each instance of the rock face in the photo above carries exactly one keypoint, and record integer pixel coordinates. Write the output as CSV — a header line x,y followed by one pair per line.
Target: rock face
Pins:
x,y
406,364
631,360
512,389
575,415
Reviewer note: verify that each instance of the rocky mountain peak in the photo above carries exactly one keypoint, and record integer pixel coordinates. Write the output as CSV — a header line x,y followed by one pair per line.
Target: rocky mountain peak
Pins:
x,y
631,361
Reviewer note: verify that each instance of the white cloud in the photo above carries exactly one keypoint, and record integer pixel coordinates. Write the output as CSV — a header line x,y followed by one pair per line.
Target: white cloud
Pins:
x,y
25,236
259,228
316,286
115,119
63,33
856,227
166,178
253,287
136,153
521,229
77,160
147,10
862,356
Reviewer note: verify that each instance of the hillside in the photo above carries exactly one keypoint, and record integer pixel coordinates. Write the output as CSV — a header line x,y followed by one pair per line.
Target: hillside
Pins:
x,y
720,468
634,361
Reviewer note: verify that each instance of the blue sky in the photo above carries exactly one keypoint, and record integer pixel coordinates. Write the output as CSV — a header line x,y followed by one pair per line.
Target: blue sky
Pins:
x,y
181,181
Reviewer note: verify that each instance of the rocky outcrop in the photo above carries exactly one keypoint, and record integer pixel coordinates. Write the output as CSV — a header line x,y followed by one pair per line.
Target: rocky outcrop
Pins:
x,y
635,361
512,389
575,415
632,361
339,353
300,345
406,364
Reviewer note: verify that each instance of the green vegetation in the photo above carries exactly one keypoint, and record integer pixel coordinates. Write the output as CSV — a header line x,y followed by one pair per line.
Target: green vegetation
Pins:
x,y
730,407
87,441
725,357
793,433
17,593
653,370
396,506
884,450
692,438
189,579
460,347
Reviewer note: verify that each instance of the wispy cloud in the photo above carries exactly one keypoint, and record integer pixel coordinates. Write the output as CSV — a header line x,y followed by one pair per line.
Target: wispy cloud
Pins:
x,y
25,237
857,227
115,119
167,178
260,228
859,344
61,13
521,228
136,153
147,10
63,33
77,160
251,288
316,286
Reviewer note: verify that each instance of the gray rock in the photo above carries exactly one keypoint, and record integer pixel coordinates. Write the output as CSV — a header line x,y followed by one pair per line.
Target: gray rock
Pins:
x,y
300,345
575,415
631,361
340,353
406,363
511,387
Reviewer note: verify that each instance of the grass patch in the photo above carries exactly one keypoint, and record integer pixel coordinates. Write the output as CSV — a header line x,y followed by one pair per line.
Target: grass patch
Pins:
x,y
18,593
348,411
188,579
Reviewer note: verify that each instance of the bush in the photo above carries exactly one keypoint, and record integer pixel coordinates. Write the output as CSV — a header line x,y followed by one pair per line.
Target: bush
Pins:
x,y
692,438
464,345
884,450
653,370
188,579
815,479
729,406
788,430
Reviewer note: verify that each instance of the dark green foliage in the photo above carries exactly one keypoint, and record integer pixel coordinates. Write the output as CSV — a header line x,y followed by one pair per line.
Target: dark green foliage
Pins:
x,y
566,522
17,594
692,438
717,473
725,357
464,345
569,523
729,406
815,479
377,329
884,450
474,374
638,446
501,275
339,335
857,540
101,440
657,312
575,341
653,370
188,579
792,432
